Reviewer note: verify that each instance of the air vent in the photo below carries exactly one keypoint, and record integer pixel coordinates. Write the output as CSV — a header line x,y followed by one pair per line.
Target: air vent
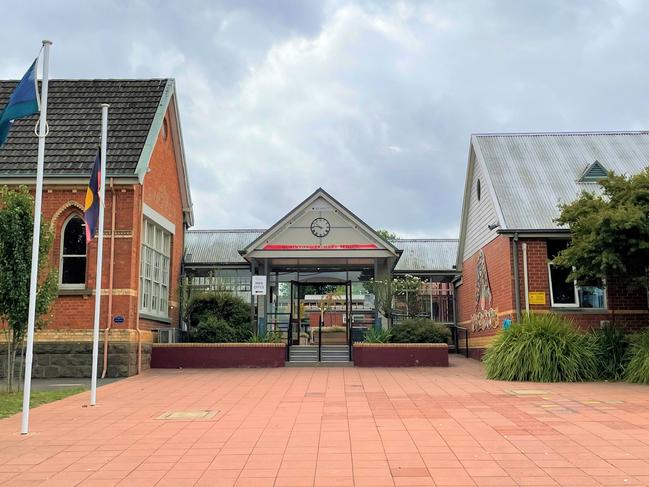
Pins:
x,y
594,173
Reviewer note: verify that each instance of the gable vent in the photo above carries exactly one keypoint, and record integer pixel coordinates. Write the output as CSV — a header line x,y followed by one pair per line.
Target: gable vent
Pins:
x,y
594,173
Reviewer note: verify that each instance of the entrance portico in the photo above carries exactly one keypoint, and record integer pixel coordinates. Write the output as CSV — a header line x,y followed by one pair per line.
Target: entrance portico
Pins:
x,y
315,260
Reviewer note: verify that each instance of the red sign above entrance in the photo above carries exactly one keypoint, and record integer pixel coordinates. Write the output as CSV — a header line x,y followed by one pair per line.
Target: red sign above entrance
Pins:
x,y
369,246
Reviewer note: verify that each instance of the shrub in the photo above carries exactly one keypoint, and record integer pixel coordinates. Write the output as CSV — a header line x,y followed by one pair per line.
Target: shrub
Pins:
x,y
211,307
222,305
420,330
268,337
213,330
374,335
541,348
611,352
637,369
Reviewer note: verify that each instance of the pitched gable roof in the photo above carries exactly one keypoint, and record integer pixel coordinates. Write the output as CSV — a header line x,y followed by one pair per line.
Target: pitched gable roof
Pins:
x,y
533,173
368,238
74,120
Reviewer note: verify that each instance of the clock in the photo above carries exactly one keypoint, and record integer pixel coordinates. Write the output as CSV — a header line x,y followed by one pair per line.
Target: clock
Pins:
x,y
320,227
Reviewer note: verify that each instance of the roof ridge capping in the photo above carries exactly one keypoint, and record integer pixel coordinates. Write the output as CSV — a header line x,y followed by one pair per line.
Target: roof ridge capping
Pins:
x,y
559,134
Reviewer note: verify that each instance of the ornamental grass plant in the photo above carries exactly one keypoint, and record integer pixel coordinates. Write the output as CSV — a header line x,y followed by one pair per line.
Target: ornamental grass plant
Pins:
x,y
611,352
637,369
542,348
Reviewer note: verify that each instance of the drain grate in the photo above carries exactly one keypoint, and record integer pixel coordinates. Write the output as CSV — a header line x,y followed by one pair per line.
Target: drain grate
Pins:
x,y
187,415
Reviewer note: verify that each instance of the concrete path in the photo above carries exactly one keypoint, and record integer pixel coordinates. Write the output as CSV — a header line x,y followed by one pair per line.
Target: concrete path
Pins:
x,y
295,427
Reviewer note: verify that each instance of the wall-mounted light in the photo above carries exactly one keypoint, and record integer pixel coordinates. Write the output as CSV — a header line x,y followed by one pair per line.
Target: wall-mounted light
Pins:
x,y
493,226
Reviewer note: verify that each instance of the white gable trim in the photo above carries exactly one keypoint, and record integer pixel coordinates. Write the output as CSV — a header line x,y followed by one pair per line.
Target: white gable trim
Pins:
x,y
281,225
466,202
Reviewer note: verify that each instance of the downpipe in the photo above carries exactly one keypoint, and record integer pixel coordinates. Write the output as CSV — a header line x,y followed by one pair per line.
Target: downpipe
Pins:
x,y
110,279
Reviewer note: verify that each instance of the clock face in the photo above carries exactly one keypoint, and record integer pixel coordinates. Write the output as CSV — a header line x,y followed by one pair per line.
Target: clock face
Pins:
x,y
320,227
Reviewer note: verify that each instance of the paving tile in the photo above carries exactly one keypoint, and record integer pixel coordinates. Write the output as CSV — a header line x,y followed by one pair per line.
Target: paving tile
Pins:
x,y
324,427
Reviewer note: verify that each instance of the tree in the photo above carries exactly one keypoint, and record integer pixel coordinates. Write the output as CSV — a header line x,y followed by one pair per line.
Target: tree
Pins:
x,y
386,290
610,232
16,231
387,235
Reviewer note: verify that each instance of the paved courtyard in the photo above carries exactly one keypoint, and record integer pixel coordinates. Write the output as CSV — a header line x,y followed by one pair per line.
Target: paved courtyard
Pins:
x,y
334,427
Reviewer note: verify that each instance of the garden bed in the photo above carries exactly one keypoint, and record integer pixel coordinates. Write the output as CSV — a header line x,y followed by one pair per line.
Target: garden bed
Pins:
x,y
217,355
400,354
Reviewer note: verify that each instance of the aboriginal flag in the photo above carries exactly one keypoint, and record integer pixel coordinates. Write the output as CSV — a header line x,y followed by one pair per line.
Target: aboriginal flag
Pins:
x,y
91,214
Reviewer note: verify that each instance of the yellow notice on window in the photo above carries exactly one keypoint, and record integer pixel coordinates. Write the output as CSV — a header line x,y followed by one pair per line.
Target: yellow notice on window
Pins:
x,y
536,297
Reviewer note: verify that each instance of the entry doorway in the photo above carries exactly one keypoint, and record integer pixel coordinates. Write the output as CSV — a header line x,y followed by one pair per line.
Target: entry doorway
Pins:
x,y
319,327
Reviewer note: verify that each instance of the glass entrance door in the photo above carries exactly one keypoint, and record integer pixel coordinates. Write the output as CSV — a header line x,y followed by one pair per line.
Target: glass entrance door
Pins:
x,y
320,316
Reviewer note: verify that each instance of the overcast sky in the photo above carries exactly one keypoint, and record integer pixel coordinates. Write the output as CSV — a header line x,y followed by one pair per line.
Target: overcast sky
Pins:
x,y
372,100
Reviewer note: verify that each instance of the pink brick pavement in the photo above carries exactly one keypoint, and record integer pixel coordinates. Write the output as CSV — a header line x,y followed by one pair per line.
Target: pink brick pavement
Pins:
x,y
335,427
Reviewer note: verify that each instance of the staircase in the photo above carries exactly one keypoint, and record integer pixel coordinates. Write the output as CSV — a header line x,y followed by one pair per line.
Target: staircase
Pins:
x,y
307,355
335,353
303,354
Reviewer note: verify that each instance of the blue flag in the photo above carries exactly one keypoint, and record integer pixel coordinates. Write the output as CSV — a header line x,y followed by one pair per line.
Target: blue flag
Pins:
x,y
91,214
23,102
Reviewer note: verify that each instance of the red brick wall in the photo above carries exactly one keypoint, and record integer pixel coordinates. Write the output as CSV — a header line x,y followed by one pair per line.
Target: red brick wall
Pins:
x,y
162,193
498,261
627,308
77,311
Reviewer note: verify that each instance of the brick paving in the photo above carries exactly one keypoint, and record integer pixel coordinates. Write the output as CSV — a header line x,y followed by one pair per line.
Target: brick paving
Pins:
x,y
322,427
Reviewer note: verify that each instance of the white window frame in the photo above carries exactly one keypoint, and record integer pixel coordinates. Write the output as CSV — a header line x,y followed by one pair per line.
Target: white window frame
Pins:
x,y
577,303
155,269
63,285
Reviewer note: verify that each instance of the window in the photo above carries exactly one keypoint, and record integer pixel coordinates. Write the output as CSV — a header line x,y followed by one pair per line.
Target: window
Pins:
x,y
567,294
73,253
478,188
165,128
154,270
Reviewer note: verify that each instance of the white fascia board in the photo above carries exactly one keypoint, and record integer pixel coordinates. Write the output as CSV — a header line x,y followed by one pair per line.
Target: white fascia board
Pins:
x,y
157,218
154,130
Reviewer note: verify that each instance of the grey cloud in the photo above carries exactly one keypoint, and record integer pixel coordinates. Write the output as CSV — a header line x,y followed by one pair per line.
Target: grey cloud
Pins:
x,y
372,100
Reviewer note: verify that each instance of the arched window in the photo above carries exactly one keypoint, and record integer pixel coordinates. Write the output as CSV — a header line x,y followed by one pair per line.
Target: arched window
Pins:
x,y
73,253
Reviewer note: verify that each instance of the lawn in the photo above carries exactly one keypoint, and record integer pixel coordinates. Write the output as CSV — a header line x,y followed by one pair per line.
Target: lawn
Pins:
x,y
12,402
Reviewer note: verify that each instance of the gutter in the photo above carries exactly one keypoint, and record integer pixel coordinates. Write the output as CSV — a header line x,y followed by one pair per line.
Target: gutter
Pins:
x,y
548,232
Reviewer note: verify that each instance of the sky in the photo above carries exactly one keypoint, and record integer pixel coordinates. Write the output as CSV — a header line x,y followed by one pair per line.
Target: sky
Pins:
x,y
374,101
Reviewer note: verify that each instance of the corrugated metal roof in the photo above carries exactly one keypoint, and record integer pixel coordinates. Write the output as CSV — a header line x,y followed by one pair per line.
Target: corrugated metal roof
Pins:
x,y
221,247
533,173
217,246
426,254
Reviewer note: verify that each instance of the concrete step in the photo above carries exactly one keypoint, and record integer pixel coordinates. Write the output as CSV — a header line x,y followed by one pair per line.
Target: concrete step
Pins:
x,y
319,364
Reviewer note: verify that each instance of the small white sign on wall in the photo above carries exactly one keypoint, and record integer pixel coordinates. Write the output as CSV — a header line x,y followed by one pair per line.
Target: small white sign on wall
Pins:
x,y
258,285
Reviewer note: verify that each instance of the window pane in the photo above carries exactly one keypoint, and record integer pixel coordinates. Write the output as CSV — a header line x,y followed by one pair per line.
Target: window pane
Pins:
x,y
74,237
167,248
73,270
591,297
562,292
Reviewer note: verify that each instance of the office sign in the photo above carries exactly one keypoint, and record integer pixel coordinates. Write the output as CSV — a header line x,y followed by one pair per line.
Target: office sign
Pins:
x,y
536,297
258,285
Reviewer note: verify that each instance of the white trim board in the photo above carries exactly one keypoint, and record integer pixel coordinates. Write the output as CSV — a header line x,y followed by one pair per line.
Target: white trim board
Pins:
x,y
157,218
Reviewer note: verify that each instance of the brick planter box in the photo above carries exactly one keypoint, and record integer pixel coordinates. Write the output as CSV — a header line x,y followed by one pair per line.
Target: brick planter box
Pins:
x,y
217,355
400,354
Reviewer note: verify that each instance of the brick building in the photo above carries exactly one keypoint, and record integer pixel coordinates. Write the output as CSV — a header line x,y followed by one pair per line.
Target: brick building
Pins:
x,y
148,207
508,235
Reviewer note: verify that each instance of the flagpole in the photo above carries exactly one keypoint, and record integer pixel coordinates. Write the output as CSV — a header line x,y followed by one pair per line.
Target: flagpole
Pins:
x,y
33,282
100,253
